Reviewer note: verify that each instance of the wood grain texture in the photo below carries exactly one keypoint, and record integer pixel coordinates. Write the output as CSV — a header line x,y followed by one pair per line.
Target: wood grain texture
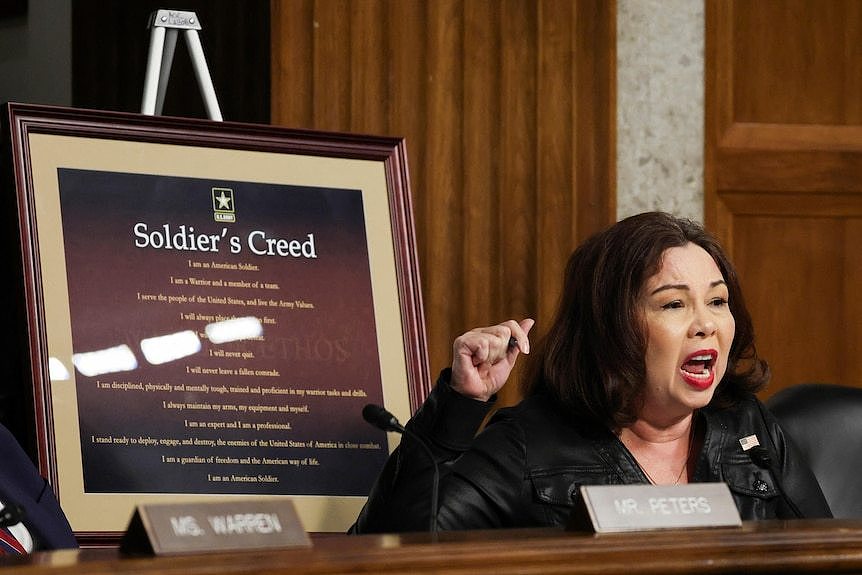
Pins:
x,y
804,546
507,108
783,172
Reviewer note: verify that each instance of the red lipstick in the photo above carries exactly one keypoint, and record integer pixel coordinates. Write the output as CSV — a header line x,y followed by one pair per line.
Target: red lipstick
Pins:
x,y
698,369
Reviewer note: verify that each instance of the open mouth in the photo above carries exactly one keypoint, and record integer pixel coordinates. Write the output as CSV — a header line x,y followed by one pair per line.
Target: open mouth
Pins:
x,y
698,369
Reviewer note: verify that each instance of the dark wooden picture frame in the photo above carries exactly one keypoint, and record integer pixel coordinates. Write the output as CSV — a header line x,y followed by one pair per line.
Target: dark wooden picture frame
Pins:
x,y
41,141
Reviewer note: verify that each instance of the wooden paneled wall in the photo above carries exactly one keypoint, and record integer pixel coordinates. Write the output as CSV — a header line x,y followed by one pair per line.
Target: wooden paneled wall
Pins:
x,y
784,176
507,108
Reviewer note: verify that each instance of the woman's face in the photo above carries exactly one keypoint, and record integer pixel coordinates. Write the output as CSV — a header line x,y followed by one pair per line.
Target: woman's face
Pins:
x,y
689,331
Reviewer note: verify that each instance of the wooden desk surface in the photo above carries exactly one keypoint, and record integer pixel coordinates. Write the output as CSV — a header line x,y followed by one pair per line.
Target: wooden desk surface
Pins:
x,y
817,546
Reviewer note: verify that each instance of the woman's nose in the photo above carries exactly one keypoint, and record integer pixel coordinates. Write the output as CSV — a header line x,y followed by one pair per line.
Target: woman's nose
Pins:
x,y
703,325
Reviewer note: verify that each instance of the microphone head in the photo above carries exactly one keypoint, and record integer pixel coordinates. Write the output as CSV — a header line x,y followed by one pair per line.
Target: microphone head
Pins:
x,y
371,413
11,514
760,456
377,416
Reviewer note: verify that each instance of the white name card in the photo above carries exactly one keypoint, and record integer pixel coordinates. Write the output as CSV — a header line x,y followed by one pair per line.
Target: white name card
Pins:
x,y
225,525
615,508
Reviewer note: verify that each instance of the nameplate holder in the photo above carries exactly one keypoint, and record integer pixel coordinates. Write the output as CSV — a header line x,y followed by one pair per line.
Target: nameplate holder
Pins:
x,y
618,508
214,526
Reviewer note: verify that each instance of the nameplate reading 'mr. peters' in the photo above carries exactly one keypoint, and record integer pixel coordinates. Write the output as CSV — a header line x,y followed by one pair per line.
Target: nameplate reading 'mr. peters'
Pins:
x,y
613,508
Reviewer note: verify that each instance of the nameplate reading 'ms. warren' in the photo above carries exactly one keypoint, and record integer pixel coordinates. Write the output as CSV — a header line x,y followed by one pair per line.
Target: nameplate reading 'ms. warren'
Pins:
x,y
614,508
232,525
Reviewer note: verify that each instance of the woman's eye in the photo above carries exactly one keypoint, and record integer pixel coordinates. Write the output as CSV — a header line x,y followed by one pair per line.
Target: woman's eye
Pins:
x,y
719,302
675,304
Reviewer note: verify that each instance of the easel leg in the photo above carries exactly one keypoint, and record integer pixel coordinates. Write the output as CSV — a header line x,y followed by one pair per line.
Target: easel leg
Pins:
x,y
167,62
154,62
203,75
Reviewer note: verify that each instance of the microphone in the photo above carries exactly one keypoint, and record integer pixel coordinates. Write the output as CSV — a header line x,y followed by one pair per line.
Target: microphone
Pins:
x,y
11,514
763,459
380,418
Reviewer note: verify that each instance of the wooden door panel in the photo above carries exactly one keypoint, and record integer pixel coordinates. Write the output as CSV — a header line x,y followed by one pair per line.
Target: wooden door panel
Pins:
x,y
783,176
797,61
789,265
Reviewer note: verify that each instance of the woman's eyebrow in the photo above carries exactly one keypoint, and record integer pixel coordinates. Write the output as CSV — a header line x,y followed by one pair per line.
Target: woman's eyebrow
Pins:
x,y
669,287
684,286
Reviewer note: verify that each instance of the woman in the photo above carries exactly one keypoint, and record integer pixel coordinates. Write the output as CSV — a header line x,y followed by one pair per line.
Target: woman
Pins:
x,y
647,375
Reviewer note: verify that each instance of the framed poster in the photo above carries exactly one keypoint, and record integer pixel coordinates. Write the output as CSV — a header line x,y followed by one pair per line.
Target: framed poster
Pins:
x,y
205,308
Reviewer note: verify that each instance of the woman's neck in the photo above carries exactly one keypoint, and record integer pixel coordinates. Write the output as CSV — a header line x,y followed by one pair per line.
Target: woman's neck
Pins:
x,y
663,452
650,432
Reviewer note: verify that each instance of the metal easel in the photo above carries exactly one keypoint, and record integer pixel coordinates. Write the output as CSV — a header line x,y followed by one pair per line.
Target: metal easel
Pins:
x,y
165,26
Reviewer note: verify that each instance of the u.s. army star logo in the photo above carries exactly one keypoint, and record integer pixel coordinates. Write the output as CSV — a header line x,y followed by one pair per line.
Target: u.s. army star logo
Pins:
x,y
223,206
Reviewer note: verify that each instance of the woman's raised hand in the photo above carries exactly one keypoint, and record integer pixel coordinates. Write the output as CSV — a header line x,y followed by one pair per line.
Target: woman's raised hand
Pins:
x,y
483,358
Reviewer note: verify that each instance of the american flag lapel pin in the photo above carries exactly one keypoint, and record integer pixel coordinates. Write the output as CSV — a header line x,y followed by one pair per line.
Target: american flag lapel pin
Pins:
x,y
748,442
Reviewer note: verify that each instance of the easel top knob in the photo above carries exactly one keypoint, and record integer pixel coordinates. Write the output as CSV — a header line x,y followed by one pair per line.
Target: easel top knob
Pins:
x,y
174,19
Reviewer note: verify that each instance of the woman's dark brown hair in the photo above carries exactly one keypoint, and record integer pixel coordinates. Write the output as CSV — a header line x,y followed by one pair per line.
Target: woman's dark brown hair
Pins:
x,y
592,358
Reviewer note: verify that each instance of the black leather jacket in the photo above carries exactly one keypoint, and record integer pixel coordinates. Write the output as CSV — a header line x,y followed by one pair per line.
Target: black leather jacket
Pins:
x,y
526,466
